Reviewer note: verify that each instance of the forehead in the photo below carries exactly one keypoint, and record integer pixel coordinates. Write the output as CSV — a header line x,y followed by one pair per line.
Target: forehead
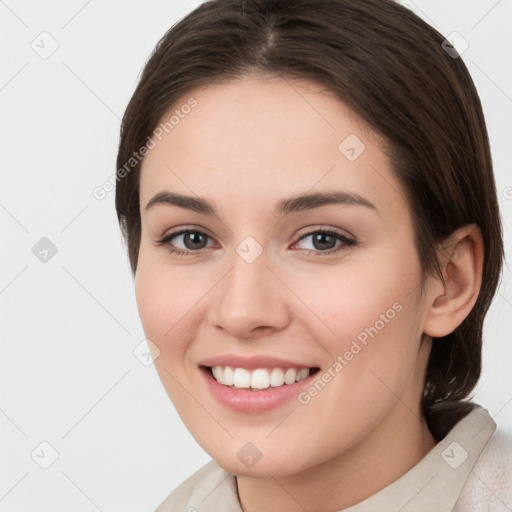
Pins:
x,y
256,139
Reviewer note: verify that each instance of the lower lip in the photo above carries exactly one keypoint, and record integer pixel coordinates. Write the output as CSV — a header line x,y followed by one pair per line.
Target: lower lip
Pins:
x,y
243,400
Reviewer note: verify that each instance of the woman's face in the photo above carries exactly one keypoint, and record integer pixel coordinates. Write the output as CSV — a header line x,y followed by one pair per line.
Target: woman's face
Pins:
x,y
266,292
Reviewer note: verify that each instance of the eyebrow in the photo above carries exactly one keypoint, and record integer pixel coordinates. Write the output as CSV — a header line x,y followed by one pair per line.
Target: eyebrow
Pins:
x,y
284,207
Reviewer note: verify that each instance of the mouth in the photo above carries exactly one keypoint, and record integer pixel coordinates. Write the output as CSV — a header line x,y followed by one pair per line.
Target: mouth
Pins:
x,y
258,379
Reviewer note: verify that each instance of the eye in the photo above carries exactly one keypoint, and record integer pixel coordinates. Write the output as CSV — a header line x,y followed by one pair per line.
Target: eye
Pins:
x,y
193,241
324,241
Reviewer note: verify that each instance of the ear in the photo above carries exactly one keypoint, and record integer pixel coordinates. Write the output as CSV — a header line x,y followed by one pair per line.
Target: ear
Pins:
x,y
461,259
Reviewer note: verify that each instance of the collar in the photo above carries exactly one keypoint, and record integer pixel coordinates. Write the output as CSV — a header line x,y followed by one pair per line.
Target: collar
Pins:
x,y
435,483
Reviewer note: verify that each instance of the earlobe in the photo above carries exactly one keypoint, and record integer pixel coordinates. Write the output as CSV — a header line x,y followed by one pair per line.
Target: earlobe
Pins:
x,y
461,261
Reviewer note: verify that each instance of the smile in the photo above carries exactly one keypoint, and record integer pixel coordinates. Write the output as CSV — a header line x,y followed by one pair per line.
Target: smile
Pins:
x,y
255,390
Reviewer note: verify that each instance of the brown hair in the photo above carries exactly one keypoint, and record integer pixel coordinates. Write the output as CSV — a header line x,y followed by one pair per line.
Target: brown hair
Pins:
x,y
391,68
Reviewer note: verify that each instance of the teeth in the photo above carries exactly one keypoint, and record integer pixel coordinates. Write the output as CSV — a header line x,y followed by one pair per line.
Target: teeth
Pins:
x,y
228,376
242,378
302,374
217,373
276,378
290,375
261,378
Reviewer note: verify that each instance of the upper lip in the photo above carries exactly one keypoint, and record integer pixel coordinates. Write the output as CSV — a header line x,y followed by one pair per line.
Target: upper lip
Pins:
x,y
252,362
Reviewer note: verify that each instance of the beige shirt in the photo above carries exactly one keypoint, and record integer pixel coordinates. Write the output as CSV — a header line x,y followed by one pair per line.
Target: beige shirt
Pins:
x,y
435,484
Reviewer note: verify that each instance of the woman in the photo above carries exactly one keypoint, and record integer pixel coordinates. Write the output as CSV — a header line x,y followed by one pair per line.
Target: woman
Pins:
x,y
307,195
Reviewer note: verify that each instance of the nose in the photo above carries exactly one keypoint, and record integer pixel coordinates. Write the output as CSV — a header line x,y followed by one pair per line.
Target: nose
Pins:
x,y
250,300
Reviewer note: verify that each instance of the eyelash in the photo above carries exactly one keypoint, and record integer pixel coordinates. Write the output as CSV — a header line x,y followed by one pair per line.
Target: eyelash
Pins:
x,y
346,242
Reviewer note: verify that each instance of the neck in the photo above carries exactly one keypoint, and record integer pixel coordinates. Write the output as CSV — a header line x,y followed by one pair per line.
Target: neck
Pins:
x,y
397,445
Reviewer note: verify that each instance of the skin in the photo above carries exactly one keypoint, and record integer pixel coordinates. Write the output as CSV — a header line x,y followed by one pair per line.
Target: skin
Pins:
x,y
248,144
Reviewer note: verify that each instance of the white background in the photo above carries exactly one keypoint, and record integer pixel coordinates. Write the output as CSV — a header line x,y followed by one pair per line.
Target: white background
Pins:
x,y
69,326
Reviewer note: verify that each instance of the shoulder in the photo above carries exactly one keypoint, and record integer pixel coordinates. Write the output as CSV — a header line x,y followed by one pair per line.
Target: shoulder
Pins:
x,y
210,483
489,486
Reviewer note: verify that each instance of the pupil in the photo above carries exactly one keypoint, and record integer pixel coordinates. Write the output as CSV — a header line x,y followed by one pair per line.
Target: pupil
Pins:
x,y
195,238
319,239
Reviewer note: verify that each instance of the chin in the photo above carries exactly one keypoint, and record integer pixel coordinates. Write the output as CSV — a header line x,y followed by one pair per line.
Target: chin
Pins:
x,y
264,467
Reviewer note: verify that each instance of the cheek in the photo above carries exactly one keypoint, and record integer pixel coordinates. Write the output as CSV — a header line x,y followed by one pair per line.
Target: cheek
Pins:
x,y
367,320
358,297
165,300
